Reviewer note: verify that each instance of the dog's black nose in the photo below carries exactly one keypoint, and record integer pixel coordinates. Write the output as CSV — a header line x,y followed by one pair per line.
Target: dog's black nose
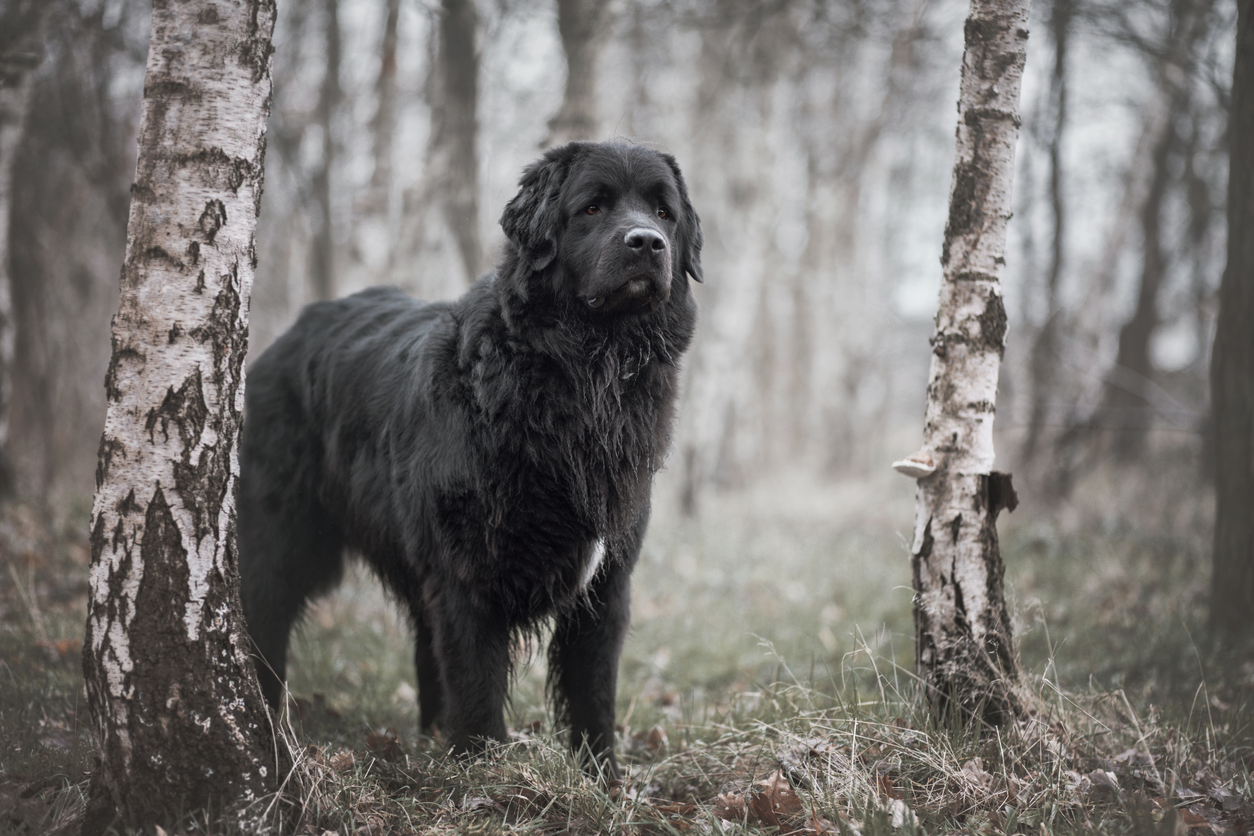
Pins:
x,y
641,237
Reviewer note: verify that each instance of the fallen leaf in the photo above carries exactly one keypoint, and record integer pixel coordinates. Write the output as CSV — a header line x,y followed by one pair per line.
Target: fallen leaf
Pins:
x,y
385,745
1103,784
1224,799
343,761
730,806
973,772
901,814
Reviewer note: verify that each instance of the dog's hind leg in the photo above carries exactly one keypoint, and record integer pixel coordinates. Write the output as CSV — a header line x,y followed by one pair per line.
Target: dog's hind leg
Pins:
x,y
289,551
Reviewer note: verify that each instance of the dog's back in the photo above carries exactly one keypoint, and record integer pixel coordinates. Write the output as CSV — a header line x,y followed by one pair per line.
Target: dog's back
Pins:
x,y
315,404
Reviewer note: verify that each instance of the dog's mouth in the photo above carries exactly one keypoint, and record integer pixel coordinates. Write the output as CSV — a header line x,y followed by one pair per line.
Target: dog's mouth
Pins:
x,y
637,295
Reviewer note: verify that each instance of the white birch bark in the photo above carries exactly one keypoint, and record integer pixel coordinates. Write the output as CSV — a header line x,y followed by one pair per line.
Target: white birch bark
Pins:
x,y
964,651
178,719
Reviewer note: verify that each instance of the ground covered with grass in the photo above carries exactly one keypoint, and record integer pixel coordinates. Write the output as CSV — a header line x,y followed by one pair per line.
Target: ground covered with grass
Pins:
x,y
766,686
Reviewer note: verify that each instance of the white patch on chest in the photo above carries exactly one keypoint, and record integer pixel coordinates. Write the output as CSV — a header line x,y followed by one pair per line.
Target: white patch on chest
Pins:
x,y
594,563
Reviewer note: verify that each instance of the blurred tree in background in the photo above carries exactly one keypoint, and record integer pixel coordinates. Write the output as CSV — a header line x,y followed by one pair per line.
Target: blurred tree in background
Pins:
x,y
1232,366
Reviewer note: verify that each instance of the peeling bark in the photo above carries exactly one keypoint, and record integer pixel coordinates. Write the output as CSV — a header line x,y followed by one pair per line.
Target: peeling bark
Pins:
x,y
177,717
964,651
1232,363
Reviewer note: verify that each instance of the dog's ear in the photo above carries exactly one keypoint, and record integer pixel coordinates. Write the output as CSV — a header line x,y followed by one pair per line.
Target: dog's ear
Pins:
x,y
690,257
533,218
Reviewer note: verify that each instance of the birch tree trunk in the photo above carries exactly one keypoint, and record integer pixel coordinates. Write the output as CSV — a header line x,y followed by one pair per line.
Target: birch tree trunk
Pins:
x,y
583,26
177,717
964,651
1232,362
20,48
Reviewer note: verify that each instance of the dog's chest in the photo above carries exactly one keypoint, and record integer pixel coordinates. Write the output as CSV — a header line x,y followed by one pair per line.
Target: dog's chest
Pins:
x,y
592,564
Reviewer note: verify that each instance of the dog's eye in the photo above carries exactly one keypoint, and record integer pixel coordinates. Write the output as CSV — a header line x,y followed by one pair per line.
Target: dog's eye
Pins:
x,y
663,214
593,210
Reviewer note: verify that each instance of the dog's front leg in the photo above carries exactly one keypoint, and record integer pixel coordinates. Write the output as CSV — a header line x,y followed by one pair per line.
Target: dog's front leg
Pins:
x,y
583,664
471,645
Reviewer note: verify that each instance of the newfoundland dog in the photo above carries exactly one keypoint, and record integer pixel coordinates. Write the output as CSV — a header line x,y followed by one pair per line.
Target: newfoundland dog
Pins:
x,y
490,458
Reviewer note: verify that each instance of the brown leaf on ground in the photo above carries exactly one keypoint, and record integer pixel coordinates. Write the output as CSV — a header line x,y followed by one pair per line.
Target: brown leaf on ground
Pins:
x,y
815,754
1103,785
772,803
343,761
385,745
730,806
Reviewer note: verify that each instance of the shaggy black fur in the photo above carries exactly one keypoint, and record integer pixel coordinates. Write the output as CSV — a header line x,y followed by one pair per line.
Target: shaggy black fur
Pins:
x,y
491,458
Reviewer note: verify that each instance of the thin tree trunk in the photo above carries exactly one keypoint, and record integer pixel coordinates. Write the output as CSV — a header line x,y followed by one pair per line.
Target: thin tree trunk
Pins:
x,y
1045,348
20,51
964,648
322,255
1126,401
1232,363
737,169
384,125
583,27
1130,390
384,192
177,717
454,157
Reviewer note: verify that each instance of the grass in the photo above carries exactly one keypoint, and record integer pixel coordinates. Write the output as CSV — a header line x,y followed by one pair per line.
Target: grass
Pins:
x,y
765,687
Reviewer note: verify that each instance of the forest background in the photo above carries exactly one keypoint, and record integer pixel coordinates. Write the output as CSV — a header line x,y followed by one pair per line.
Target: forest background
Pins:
x,y
817,137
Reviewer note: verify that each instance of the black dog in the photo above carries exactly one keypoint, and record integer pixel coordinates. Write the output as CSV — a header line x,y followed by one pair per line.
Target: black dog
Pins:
x,y
492,457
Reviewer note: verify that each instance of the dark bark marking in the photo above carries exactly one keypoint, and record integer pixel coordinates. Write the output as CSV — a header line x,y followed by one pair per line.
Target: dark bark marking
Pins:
x,y
978,275
1001,493
982,33
193,253
202,487
960,605
255,50
109,447
993,324
980,116
955,528
185,408
128,505
171,88
212,219
175,332
142,193
120,355
222,168
119,535
220,330
153,254
208,16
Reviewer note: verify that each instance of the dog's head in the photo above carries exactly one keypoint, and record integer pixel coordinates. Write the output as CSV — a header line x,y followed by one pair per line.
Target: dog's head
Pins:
x,y
610,224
